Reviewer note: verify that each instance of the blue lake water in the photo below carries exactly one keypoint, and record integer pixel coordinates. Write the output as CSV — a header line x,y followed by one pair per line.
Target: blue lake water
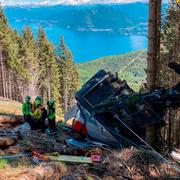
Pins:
x,y
87,46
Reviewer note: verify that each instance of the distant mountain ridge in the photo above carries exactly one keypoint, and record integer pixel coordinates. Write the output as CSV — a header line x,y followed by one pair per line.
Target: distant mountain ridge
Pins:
x,y
64,2
122,18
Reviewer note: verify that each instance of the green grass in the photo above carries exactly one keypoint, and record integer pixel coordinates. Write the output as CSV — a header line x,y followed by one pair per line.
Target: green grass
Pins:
x,y
130,67
3,163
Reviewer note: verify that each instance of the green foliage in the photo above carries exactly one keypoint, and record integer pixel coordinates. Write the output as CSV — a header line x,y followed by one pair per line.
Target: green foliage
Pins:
x,y
130,67
170,52
69,75
3,22
49,76
3,163
169,45
28,50
10,47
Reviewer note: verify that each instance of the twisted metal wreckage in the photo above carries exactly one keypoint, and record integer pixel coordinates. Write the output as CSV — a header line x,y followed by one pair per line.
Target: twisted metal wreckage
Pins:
x,y
109,111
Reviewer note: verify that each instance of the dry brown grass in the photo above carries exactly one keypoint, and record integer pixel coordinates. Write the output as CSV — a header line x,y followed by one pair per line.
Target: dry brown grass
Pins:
x,y
10,107
49,171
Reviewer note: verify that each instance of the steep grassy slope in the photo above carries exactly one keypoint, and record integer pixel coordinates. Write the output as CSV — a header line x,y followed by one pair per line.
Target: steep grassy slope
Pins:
x,y
10,107
130,67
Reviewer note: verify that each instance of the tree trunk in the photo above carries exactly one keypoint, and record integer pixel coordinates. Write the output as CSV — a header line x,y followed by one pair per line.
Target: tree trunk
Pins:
x,y
10,85
153,54
49,91
65,98
153,42
6,83
2,73
176,117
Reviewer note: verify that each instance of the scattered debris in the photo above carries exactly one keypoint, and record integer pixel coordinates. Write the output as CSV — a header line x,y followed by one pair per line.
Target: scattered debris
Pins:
x,y
50,171
107,106
94,146
175,154
25,127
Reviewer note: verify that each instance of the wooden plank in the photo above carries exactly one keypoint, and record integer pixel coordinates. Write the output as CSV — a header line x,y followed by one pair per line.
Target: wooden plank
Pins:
x,y
76,159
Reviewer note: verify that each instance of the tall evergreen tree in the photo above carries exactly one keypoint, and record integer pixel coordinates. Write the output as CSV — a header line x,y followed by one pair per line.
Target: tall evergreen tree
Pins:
x,y
170,52
3,30
49,77
11,64
29,56
69,75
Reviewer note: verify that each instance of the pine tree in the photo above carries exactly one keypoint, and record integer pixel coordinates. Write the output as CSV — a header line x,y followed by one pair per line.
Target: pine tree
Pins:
x,y
11,64
29,56
69,75
170,51
3,29
49,77
153,55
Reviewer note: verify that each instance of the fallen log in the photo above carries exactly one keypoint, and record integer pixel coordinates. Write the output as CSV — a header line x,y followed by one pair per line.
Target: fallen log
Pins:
x,y
14,150
11,119
6,142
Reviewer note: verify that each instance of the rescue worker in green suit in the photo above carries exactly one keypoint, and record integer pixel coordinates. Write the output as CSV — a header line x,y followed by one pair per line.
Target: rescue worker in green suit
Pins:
x,y
37,115
38,101
51,113
27,110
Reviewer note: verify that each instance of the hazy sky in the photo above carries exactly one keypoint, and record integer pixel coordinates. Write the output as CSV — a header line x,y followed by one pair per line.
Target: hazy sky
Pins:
x,y
73,2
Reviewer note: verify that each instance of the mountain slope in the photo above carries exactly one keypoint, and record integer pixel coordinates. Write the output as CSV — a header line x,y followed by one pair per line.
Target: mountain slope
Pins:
x,y
130,67
122,18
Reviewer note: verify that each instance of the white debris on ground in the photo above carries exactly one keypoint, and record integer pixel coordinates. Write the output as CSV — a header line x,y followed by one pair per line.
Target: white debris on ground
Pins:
x,y
175,154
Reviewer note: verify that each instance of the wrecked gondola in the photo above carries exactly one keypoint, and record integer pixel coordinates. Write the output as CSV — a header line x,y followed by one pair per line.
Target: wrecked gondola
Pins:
x,y
108,108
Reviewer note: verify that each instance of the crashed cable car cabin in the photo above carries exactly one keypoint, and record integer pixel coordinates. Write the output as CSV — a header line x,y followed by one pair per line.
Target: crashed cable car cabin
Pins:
x,y
107,106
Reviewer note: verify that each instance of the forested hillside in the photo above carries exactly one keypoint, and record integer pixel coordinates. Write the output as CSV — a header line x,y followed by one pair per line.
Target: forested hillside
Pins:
x,y
32,66
130,67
